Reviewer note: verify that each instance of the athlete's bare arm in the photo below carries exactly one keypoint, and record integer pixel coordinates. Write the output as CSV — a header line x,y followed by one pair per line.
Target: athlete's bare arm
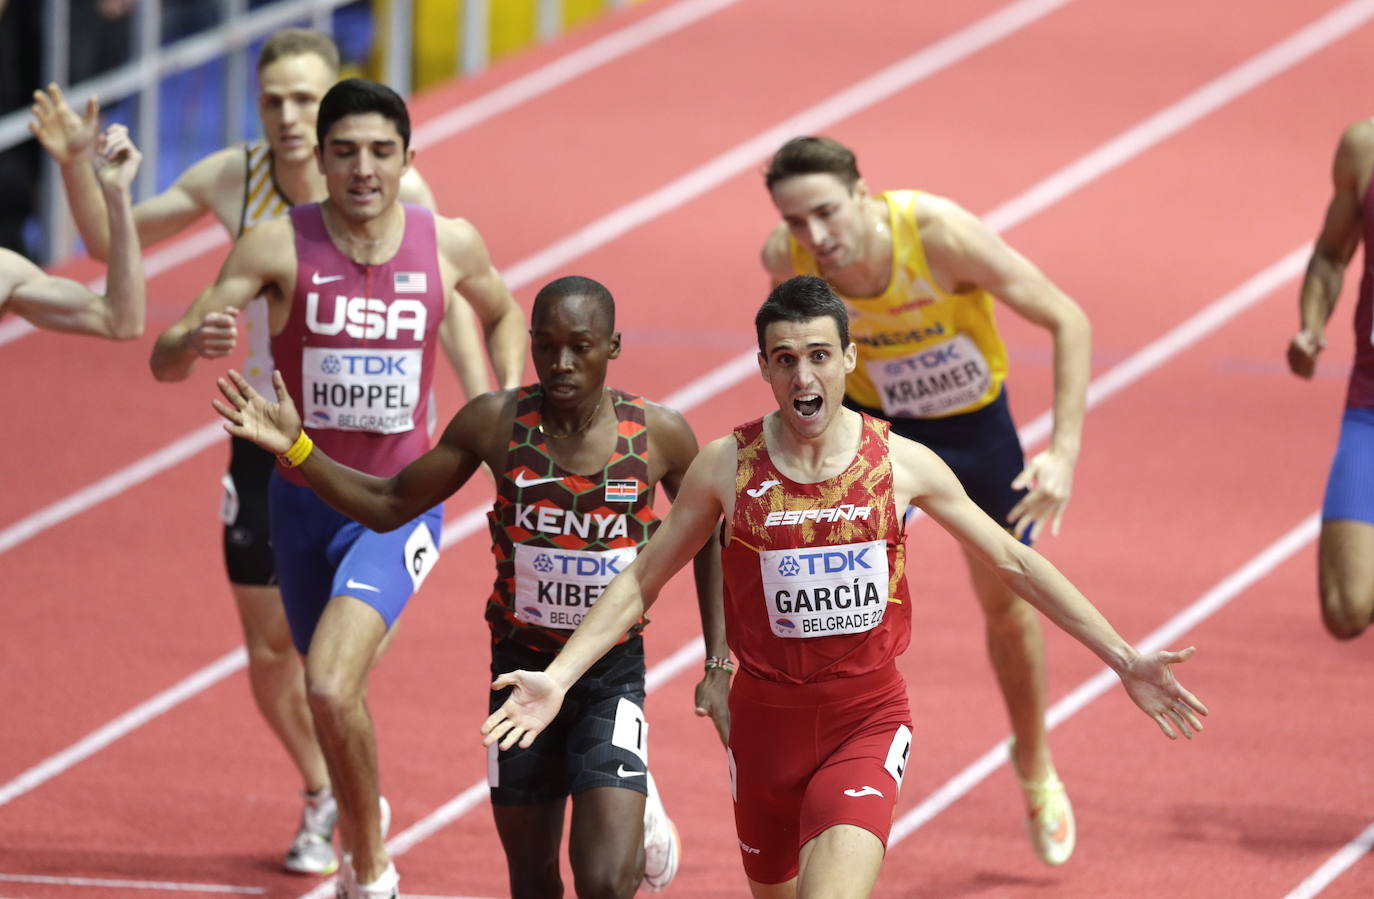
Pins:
x,y
60,304
473,436
777,261
1335,245
262,263
467,269
920,478
673,446
214,184
707,493
964,254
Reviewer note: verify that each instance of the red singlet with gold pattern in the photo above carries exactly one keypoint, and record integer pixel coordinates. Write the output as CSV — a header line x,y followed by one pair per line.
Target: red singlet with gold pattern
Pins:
x,y
814,573
560,537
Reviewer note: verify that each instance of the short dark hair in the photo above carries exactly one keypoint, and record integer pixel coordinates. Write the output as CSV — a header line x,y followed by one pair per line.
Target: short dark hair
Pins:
x,y
298,42
801,299
812,156
358,96
577,286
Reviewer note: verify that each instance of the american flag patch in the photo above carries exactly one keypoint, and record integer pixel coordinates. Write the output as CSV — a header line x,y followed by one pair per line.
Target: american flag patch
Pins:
x,y
411,282
624,491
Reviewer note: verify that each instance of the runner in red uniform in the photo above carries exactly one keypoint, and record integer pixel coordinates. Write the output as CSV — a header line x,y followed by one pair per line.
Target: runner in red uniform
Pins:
x,y
810,500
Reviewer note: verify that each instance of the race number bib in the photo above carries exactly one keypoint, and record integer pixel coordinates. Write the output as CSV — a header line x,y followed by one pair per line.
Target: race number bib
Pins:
x,y
824,590
556,587
375,390
937,380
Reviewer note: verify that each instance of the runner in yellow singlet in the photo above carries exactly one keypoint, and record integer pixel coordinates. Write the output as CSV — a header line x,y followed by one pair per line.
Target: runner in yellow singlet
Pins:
x,y
242,186
919,276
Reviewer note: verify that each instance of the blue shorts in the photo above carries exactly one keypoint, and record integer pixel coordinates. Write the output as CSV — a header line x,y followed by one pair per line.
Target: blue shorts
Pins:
x,y
322,553
981,448
1350,487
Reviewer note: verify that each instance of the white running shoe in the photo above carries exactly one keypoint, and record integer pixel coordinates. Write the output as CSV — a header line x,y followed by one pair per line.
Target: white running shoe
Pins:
x,y
346,885
388,886
312,851
1049,815
662,845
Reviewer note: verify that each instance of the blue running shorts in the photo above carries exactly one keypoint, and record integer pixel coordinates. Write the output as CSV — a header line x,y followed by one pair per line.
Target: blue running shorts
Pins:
x,y
1350,487
322,553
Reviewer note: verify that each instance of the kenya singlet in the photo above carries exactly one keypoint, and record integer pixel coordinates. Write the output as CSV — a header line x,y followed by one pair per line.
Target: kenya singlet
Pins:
x,y
923,353
356,350
1360,393
814,584
262,200
560,537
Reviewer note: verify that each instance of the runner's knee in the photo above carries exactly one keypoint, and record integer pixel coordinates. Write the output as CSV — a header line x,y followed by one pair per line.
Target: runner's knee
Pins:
x,y
604,877
1345,611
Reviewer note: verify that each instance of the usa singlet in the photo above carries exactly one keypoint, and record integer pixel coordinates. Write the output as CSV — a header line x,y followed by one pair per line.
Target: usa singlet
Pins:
x,y
1360,393
923,353
356,348
262,200
814,584
560,537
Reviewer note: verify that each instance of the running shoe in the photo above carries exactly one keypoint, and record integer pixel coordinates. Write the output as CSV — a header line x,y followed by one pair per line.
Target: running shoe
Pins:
x,y
1049,816
662,845
312,851
346,885
385,887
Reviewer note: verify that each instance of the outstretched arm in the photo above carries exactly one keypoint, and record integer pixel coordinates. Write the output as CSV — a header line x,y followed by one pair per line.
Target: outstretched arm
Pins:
x,y
1147,677
1334,247
966,254
381,504
538,695
60,304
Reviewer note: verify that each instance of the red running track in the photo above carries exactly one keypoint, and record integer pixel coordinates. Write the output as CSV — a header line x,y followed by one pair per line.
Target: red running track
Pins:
x,y
1191,468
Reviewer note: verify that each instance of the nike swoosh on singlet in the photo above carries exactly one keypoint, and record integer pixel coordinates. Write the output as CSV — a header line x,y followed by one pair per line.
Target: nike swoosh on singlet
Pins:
x,y
359,585
522,481
316,279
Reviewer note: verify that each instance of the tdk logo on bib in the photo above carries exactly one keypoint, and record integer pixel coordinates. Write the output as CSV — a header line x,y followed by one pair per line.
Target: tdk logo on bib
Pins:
x,y
824,562
556,588
821,591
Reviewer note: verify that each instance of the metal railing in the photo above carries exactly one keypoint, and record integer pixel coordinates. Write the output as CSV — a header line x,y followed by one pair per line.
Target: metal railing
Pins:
x,y
151,63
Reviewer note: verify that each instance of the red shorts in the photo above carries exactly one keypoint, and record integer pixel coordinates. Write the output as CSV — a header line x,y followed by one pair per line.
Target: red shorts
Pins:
x,y
804,758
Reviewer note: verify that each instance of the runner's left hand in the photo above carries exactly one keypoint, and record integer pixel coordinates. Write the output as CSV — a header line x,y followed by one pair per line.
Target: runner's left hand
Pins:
x,y
533,703
1049,477
713,699
1152,686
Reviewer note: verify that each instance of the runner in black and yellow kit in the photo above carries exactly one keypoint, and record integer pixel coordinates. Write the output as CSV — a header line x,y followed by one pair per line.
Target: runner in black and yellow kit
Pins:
x,y
919,276
576,466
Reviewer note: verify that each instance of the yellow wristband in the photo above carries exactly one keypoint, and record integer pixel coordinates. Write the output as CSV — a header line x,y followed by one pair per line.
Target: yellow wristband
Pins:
x,y
298,452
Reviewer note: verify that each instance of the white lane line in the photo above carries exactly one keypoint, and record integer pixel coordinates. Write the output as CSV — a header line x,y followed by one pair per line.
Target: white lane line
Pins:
x,y
1199,610
542,80
1200,103
689,653
1335,866
134,718
119,884
604,50
740,367
111,485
